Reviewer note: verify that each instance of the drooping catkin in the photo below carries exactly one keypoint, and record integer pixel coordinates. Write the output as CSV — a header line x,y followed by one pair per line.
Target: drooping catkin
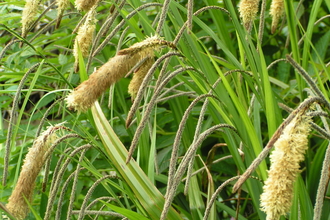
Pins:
x,y
29,12
85,5
84,39
138,77
248,10
289,151
32,165
61,6
82,98
276,12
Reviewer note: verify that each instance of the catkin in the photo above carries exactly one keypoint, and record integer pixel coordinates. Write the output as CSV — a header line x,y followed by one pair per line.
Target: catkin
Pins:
x,y
61,6
85,5
276,11
82,98
29,12
84,38
248,10
33,163
289,151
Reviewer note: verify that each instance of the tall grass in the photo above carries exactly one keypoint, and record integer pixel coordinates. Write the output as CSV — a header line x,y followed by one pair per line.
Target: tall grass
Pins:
x,y
193,140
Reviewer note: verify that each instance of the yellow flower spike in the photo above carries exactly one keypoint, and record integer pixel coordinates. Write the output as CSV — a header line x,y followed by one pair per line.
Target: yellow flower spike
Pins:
x,y
85,5
289,151
276,12
84,37
248,10
29,12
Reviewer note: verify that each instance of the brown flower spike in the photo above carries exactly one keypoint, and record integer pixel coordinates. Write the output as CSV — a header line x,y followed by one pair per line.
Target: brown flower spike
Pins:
x,y
276,12
289,151
85,5
82,98
84,38
248,10
33,163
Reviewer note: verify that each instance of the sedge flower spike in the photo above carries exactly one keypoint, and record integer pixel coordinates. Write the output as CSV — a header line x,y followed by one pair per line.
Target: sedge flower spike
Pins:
x,y
84,39
289,151
85,5
276,12
29,12
33,162
84,96
61,6
248,10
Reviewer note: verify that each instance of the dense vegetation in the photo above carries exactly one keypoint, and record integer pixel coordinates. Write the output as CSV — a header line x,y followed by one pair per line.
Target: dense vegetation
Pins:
x,y
216,95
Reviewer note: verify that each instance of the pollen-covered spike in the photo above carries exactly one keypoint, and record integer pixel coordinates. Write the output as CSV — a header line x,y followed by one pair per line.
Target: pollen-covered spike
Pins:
x,y
33,162
289,152
248,10
154,43
29,11
276,12
85,5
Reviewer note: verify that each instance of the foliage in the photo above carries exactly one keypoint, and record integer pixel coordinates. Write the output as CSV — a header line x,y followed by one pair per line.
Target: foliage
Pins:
x,y
201,119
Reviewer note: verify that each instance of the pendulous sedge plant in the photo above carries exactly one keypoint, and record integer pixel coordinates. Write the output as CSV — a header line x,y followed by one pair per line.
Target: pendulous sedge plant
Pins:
x,y
289,151
82,98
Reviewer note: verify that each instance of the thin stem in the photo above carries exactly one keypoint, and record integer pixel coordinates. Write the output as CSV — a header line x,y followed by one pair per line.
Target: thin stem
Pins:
x,y
89,194
57,179
321,190
184,164
214,196
143,86
308,79
149,108
163,16
12,121
74,184
63,191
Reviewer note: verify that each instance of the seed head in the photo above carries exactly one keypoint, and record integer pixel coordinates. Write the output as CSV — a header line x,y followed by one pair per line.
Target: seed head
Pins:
x,y
82,98
149,44
29,12
61,6
33,163
276,12
85,5
289,151
248,10
85,35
